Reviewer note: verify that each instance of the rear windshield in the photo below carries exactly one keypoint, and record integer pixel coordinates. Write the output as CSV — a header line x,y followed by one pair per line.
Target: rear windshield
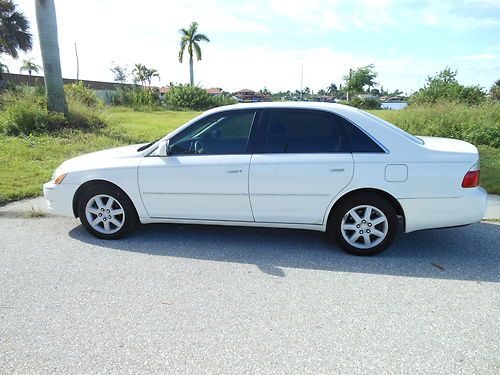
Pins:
x,y
393,127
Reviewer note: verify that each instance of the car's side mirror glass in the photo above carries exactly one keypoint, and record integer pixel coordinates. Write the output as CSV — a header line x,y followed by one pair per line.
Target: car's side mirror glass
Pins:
x,y
164,148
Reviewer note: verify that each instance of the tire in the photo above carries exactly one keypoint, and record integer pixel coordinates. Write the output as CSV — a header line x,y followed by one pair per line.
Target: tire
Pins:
x,y
364,224
107,212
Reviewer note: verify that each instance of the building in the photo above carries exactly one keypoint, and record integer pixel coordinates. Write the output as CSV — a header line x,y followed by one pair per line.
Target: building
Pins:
x,y
104,90
246,95
214,91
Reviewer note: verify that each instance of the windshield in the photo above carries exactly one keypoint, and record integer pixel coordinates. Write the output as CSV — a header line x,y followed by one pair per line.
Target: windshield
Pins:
x,y
393,127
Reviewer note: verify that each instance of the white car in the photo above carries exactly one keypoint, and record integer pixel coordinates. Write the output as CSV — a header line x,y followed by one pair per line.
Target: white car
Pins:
x,y
319,166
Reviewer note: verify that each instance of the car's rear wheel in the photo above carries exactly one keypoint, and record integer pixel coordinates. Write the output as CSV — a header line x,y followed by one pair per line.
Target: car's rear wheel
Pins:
x,y
364,224
107,212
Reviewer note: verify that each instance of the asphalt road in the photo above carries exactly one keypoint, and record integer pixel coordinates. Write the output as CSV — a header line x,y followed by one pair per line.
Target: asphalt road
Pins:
x,y
214,300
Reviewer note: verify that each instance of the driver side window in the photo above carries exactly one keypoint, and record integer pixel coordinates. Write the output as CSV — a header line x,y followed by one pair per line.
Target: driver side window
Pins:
x,y
219,134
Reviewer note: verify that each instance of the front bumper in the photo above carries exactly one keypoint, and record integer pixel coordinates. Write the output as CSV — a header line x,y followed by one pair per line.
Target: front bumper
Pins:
x,y
60,198
428,213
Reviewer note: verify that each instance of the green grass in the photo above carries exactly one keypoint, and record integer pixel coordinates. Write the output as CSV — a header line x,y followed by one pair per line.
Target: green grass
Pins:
x,y
490,168
28,162
145,126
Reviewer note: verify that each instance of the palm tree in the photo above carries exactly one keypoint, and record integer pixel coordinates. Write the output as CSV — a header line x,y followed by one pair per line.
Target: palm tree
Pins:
x,y
29,66
190,39
14,30
149,74
495,90
47,32
144,75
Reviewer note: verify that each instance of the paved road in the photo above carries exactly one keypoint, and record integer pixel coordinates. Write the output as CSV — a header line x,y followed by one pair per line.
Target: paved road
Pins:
x,y
213,300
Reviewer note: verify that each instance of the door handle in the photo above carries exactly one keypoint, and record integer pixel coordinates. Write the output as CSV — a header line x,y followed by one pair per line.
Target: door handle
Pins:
x,y
234,171
337,169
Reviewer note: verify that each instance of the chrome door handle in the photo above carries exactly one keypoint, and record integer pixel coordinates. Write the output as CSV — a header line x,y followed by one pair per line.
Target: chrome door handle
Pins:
x,y
234,171
337,169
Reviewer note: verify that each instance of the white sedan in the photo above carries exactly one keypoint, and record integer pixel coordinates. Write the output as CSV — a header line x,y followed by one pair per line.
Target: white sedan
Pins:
x,y
317,166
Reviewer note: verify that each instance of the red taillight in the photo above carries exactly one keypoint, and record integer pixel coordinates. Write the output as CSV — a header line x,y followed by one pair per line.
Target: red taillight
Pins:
x,y
471,179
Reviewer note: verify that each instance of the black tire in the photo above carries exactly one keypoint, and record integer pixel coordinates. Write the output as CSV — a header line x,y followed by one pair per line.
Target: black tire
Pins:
x,y
129,220
367,199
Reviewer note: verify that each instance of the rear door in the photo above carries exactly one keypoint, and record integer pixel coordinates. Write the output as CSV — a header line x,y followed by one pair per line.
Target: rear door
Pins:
x,y
301,162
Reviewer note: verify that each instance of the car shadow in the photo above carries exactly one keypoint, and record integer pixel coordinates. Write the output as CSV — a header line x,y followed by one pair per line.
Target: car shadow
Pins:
x,y
466,253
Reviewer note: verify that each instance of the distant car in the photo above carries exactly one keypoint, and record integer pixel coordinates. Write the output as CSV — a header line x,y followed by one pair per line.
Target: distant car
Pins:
x,y
318,166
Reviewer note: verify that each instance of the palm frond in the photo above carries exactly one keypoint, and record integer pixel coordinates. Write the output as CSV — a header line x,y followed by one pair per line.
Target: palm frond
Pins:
x,y
183,47
197,51
201,38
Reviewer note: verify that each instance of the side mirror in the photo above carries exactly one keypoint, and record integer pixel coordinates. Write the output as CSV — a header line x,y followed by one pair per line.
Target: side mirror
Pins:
x,y
164,148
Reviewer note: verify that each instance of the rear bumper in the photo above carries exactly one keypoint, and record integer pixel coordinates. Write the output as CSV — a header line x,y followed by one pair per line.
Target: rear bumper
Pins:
x,y
60,198
431,213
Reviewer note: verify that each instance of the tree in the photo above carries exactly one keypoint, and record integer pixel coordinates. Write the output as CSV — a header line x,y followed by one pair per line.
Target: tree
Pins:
x,y
120,73
149,74
14,30
29,66
191,40
3,68
495,90
144,75
49,45
358,79
444,86
332,90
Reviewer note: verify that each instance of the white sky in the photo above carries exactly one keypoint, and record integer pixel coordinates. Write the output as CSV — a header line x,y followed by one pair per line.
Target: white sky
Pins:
x,y
264,43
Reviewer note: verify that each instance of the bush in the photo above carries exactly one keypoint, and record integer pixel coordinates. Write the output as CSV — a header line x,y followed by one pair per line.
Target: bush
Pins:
x,y
24,112
477,124
362,103
136,97
83,117
445,87
187,97
78,92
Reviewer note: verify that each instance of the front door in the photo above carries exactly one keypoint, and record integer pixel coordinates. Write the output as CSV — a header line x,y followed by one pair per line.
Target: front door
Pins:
x,y
205,175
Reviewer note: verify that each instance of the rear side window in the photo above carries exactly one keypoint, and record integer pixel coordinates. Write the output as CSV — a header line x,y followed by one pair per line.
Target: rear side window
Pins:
x,y
357,140
300,132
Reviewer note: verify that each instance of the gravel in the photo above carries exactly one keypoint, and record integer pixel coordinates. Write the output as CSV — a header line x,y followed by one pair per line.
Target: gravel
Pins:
x,y
223,300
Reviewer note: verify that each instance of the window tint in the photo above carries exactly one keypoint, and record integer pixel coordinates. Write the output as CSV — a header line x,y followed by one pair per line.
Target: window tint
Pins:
x,y
300,132
219,134
357,140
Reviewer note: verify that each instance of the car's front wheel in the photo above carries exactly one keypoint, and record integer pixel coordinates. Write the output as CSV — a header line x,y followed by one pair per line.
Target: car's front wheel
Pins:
x,y
364,224
107,212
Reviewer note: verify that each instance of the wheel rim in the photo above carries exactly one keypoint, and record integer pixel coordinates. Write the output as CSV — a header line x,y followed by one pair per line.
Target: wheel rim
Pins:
x,y
105,214
364,227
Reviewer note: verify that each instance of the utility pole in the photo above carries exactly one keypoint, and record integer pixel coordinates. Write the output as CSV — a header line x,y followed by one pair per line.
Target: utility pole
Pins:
x,y
302,83
77,63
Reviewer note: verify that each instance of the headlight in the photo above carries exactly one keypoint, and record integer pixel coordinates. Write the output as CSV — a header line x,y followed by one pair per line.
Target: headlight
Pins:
x,y
60,178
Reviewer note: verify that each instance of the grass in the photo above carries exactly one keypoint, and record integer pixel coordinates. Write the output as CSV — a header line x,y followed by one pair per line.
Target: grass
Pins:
x,y
145,126
28,162
35,213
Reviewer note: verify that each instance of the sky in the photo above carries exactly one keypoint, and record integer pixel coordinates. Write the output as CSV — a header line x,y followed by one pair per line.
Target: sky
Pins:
x,y
258,43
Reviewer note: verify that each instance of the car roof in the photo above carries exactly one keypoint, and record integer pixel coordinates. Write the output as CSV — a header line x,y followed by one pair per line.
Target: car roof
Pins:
x,y
333,107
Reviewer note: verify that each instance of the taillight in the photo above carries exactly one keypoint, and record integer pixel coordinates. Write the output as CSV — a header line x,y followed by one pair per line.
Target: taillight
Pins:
x,y
471,179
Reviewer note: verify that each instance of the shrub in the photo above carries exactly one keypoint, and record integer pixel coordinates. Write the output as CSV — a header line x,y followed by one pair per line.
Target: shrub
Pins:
x,y
189,97
477,124
136,97
24,112
24,117
83,117
80,93
445,87
367,103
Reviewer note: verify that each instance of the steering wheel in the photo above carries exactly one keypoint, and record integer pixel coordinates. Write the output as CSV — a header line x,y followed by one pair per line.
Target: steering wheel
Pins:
x,y
199,147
